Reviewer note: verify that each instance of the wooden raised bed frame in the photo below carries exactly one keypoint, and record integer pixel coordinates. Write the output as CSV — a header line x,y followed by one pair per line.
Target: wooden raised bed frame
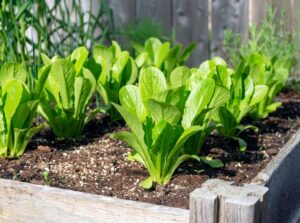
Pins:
x,y
271,197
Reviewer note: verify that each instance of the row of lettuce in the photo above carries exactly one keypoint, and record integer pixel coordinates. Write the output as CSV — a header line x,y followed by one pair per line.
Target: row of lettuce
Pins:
x,y
169,108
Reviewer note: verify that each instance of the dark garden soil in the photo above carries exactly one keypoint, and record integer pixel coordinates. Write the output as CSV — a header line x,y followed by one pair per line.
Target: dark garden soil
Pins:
x,y
97,164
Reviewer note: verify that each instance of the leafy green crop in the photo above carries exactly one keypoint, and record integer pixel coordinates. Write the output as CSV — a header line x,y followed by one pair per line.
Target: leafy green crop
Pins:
x,y
161,55
168,124
67,94
18,107
272,73
112,69
244,95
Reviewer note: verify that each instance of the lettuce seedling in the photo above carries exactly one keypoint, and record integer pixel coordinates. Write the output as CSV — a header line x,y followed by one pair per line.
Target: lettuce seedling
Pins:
x,y
67,94
112,69
244,95
162,55
164,120
273,73
18,107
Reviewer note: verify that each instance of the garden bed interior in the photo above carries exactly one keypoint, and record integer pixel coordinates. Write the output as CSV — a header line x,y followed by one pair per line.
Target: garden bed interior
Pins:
x,y
97,164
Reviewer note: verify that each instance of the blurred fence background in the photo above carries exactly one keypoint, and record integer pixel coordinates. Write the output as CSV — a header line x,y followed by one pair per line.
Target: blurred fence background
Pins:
x,y
199,21
202,21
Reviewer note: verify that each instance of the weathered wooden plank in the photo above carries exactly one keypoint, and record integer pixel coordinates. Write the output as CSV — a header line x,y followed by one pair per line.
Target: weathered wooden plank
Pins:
x,y
281,176
160,11
190,21
203,206
296,12
227,14
257,10
28,203
242,210
123,11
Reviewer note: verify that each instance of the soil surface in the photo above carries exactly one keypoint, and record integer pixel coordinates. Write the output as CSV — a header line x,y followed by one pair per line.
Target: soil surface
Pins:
x,y
97,164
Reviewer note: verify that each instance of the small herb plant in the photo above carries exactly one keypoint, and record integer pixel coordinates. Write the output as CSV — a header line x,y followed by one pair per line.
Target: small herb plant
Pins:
x,y
271,39
142,29
18,107
67,94
161,55
163,120
113,69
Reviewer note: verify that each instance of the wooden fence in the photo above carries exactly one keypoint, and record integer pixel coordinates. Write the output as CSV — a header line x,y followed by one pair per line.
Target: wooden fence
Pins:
x,y
202,21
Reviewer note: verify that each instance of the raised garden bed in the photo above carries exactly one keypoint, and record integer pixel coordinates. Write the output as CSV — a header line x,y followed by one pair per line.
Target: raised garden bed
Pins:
x,y
97,164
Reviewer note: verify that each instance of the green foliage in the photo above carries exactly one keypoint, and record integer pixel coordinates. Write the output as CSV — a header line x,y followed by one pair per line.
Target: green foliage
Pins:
x,y
18,107
161,55
141,30
46,177
113,69
244,95
31,27
272,73
168,123
271,39
67,94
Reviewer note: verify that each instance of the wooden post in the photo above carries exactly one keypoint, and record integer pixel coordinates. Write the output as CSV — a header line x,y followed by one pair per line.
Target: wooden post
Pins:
x,y
262,193
242,210
203,206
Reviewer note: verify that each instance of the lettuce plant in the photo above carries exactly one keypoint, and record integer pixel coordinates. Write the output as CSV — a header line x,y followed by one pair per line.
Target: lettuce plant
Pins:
x,y
112,69
168,124
272,73
18,107
244,95
67,94
162,55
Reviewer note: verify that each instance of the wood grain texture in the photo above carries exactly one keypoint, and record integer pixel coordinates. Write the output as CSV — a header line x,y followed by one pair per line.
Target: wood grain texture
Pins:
x,y
190,21
225,190
123,11
203,206
242,210
296,12
160,11
257,10
262,193
28,203
227,14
